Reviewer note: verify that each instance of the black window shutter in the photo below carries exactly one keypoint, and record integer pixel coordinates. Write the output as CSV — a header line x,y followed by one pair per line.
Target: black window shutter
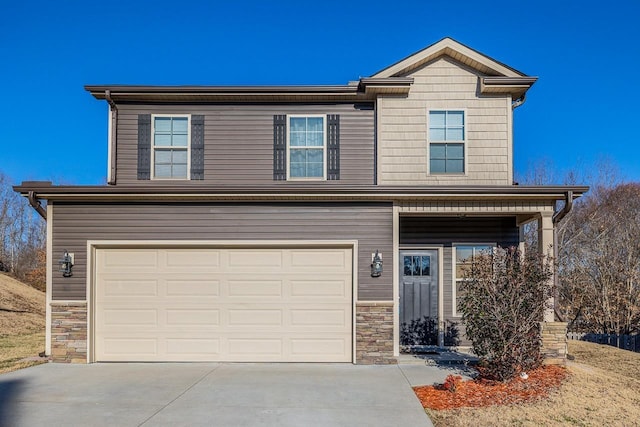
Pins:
x,y
197,147
144,146
333,147
279,148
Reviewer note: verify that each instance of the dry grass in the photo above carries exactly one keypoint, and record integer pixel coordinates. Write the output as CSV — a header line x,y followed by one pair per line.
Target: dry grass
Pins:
x,y
21,324
15,348
604,389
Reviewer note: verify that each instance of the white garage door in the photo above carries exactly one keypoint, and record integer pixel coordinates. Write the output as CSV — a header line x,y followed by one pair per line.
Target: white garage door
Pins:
x,y
254,305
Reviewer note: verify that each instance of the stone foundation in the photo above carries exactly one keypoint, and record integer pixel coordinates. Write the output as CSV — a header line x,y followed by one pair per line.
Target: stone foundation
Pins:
x,y
69,332
554,343
374,333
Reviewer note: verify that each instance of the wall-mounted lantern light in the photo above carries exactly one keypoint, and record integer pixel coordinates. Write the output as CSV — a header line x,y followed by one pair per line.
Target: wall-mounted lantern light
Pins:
x,y
66,263
376,264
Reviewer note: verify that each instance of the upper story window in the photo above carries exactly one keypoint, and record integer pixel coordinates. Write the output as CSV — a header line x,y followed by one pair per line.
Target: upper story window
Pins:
x,y
446,142
307,143
464,256
170,144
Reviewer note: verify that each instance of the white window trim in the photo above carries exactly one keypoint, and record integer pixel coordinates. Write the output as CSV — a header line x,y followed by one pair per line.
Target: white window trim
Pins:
x,y
324,148
464,143
454,265
153,147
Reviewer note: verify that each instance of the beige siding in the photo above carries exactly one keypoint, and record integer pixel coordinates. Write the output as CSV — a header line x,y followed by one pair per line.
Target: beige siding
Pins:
x,y
369,224
239,142
402,129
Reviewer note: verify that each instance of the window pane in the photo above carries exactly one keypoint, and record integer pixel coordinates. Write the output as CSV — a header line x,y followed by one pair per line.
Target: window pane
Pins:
x,y
180,156
162,124
179,140
455,118
455,166
314,170
179,171
464,253
426,266
455,134
297,139
180,125
297,156
315,139
455,151
408,268
436,134
315,124
437,166
162,140
436,118
438,151
298,124
162,156
297,170
163,171
314,156
416,265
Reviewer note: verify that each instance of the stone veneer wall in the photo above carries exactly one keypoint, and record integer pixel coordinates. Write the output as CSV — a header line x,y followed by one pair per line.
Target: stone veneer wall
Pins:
x,y
69,332
374,333
554,342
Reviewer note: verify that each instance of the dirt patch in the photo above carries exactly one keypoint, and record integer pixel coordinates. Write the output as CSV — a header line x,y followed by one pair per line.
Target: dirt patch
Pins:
x,y
22,308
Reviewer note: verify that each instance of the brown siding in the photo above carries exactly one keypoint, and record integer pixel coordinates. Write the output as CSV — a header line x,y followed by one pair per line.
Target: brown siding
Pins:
x,y
239,141
369,224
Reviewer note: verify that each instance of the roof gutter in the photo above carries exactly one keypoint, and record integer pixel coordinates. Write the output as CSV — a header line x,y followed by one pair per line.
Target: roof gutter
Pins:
x,y
518,102
35,204
568,204
113,131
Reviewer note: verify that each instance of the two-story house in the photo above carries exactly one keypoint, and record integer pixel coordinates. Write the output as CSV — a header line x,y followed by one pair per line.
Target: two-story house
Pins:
x,y
288,223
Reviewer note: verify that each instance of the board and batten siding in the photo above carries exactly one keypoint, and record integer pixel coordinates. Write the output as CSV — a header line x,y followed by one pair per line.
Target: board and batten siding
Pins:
x,y
238,141
76,223
444,84
448,231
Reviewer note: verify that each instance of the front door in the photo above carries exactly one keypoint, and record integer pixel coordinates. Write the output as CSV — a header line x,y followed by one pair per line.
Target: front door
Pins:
x,y
419,297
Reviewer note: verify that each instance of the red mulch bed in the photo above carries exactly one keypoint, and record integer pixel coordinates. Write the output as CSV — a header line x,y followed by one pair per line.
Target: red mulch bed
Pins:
x,y
481,392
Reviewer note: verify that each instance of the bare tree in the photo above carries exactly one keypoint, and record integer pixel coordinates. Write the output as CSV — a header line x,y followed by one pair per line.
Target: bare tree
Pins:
x,y
22,233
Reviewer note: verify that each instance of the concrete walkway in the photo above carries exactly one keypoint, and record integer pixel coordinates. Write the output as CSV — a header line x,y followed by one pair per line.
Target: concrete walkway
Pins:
x,y
193,394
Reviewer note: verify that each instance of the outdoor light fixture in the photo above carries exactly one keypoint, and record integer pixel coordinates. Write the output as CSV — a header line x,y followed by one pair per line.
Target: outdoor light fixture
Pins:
x,y
376,264
65,263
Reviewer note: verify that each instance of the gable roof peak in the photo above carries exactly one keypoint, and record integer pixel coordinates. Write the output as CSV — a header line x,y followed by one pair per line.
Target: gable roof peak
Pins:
x,y
447,46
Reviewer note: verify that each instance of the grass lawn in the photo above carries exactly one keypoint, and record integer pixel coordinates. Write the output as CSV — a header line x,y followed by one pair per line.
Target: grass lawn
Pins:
x,y
603,389
14,348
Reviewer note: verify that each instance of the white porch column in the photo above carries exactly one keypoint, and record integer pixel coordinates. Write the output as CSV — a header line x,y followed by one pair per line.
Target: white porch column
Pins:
x,y
545,246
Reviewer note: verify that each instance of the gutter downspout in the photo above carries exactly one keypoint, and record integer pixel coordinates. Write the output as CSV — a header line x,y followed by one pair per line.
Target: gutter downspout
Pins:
x,y
518,102
113,125
35,204
557,217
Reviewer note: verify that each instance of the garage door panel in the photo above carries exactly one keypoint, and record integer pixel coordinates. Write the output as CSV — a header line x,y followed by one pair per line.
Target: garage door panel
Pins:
x,y
130,317
271,309
126,288
192,317
196,288
257,287
193,347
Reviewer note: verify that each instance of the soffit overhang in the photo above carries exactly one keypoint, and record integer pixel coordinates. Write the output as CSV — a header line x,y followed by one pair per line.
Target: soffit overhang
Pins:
x,y
200,193
362,90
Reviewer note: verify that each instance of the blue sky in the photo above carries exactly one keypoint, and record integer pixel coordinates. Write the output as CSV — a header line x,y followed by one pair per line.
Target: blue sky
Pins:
x,y
582,109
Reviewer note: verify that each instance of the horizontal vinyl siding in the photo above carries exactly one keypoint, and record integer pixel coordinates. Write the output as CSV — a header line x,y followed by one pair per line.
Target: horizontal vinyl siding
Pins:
x,y
238,141
403,134
447,231
369,224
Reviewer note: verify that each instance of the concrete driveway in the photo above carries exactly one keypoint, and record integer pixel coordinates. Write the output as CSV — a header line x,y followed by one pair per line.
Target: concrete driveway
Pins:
x,y
211,394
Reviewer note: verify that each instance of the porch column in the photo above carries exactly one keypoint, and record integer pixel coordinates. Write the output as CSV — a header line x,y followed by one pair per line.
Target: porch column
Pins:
x,y
545,246
521,237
